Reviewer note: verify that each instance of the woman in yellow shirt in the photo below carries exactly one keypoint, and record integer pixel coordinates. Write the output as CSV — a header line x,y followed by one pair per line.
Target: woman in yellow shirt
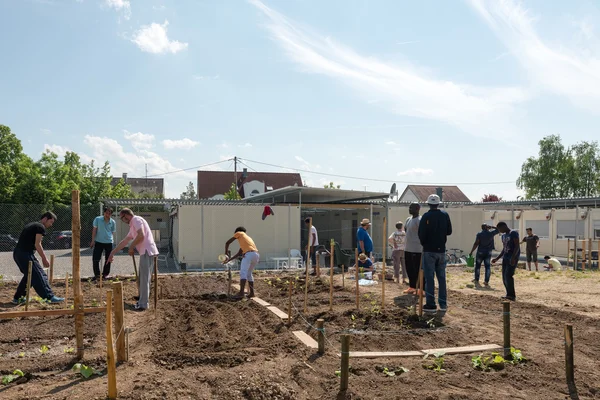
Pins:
x,y
250,259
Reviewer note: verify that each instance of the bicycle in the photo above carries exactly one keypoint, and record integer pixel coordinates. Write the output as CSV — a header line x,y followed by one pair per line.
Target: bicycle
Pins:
x,y
453,258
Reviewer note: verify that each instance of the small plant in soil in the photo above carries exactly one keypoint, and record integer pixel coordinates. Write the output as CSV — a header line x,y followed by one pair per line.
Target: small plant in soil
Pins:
x,y
391,371
94,303
496,361
84,370
17,373
21,354
437,364
44,349
69,350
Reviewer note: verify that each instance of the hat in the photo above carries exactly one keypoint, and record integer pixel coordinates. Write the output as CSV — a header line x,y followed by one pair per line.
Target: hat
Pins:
x,y
362,256
433,199
365,221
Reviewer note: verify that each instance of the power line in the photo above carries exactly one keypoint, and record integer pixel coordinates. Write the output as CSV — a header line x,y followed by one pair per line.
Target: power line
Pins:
x,y
243,163
187,169
375,179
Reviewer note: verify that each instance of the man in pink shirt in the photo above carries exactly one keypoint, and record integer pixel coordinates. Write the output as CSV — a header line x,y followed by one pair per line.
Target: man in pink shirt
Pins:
x,y
143,242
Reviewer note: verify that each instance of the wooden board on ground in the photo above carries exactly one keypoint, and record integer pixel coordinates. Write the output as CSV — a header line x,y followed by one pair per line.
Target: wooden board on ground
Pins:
x,y
261,301
278,312
306,339
372,354
464,349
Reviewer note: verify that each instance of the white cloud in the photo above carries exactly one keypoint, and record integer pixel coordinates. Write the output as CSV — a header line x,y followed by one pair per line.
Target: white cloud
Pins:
x,y
184,143
56,149
206,78
391,143
223,145
139,140
46,131
416,172
159,8
246,145
404,90
123,6
568,71
153,39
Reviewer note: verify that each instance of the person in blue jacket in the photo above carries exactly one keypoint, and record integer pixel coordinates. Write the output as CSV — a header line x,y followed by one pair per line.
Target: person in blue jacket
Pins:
x,y
364,243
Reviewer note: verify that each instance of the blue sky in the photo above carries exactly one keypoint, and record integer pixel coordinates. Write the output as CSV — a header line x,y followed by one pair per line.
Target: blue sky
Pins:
x,y
399,91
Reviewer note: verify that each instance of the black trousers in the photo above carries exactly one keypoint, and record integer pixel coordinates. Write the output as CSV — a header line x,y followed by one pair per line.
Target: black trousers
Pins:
x,y
98,249
413,264
39,279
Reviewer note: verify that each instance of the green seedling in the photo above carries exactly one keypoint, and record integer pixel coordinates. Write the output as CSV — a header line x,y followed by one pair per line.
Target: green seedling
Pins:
x,y
516,356
338,374
21,354
496,361
17,373
69,350
437,364
44,349
431,323
392,371
84,370
94,303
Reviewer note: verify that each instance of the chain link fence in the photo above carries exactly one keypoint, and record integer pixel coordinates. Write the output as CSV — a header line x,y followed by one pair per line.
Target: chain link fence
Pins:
x,y
58,240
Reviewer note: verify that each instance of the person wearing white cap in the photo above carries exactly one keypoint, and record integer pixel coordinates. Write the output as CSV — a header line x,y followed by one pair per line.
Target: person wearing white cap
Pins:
x,y
364,243
434,229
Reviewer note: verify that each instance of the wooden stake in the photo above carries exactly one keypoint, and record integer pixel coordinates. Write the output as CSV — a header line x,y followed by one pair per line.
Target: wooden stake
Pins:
x,y
30,266
570,369
357,289
100,301
421,287
506,319
332,244
110,355
51,271
77,295
67,290
568,251
155,283
290,302
345,366
137,279
307,263
384,242
321,336
117,288
583,255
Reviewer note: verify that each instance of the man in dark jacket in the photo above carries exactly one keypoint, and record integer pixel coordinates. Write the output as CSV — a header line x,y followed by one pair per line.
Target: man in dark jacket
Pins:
x,y
434,228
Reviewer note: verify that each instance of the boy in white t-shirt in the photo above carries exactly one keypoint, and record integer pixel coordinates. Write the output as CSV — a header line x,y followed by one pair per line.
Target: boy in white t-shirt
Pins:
x,y
553,264
397,241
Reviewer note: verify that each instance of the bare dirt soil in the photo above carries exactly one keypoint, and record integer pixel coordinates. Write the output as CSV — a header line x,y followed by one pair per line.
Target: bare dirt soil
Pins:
x,y
200,344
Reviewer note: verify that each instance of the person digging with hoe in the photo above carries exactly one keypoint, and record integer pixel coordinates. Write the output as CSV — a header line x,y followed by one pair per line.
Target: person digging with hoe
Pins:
x,y
249,260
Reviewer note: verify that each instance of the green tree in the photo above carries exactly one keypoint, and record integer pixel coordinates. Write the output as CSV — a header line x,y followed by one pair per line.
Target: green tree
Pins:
x,y
331,186
232,193
14,164
190,193
561,172
121,191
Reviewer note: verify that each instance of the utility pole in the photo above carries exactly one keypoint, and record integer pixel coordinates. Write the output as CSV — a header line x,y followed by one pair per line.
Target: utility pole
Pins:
x,y
235,172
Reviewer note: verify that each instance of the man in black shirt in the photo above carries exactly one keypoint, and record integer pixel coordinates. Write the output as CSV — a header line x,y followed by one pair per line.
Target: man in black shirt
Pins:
x,y
30,240
533,242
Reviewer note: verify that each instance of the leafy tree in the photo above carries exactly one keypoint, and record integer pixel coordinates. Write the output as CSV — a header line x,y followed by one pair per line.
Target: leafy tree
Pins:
x,y
331,186
490,197
121,191
14,164
190,193
232,193
560,171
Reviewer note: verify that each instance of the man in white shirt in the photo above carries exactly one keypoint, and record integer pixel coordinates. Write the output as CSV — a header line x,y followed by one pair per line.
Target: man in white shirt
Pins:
x,y
553,264
313,242
143,242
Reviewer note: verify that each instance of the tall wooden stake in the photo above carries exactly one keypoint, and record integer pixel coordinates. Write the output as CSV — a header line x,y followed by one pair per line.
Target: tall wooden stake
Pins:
x,y
307,264
51,271
321,336
344,368
357,289
137,279
117,288
30,266
77,295
290,302
67,290
568,251
421,287
332,244
569,366
110,355
506,320
155,282
384,243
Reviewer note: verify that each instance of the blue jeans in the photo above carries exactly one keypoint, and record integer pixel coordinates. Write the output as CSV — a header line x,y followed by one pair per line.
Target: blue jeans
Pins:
x,y
39,280
486,259
434,264
508,271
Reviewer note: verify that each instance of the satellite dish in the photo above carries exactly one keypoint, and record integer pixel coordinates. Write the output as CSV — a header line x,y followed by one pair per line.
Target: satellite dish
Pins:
x,y
393,191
